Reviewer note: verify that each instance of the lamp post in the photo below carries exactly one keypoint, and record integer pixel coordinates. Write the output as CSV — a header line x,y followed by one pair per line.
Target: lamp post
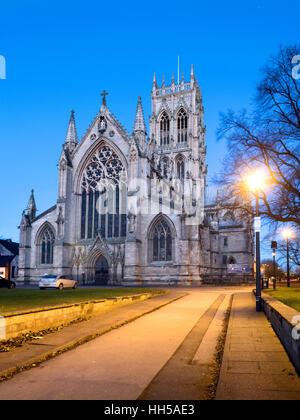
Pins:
x,y
274,246
256,182
257,244
287,233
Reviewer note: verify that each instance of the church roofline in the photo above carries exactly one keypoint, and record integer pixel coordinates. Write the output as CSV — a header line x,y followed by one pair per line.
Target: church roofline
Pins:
x,y
115,122
44,213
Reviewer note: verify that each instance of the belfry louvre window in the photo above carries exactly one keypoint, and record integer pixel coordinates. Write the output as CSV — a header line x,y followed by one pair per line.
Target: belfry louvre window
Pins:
x,y
103,196
182,126
164,129
46,246
162,242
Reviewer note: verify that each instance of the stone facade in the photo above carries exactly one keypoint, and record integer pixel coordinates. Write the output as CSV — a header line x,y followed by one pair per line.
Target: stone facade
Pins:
x,y
133,210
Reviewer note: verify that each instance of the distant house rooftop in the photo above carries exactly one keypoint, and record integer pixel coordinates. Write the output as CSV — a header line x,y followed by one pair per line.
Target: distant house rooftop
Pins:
x,y
11,246
4,259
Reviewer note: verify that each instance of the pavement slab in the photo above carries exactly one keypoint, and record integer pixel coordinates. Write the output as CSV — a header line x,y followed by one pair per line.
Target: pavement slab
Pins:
x,y
255,365
181,378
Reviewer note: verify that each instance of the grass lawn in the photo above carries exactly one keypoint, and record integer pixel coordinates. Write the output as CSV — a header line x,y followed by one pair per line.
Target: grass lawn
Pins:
x,y
289,296
18,300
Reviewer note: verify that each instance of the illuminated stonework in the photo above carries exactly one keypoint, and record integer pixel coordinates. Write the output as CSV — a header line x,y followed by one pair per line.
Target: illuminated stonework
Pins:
x,y
137,210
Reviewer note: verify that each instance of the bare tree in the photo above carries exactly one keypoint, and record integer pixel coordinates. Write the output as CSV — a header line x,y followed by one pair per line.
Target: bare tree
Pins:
x,y
268,269
294,250
267,137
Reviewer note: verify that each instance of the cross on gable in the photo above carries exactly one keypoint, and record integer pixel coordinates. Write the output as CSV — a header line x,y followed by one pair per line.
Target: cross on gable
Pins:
x,y
104,99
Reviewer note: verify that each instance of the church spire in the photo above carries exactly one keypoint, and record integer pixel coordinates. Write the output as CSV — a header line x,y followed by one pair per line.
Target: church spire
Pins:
x,y
139,123
31,207
71,137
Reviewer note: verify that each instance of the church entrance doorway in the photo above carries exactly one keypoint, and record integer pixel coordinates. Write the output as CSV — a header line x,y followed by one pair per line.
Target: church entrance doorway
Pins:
x,y
101,271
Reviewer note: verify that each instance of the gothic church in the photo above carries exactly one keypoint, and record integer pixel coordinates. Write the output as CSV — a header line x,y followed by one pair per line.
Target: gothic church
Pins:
x,y
136,210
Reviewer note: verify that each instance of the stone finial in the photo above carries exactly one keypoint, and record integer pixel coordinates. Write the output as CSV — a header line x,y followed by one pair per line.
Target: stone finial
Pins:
x,y
31,207
71,137
139,123
104,93
192,70
25,221
154,84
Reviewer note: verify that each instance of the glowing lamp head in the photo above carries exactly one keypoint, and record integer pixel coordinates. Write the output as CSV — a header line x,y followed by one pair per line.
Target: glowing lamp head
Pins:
x,y
287,233
256,180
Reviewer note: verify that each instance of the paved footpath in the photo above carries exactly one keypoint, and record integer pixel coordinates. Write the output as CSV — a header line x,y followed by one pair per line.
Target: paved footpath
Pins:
x,y
122,363
255,365
37,351
161,348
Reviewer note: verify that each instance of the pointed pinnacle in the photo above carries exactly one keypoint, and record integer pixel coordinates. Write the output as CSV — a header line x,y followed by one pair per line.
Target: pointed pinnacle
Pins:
x,y
139,123
31,207
71,136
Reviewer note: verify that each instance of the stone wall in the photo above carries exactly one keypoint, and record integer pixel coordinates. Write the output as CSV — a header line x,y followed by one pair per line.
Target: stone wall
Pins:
x,y
281,317
16,323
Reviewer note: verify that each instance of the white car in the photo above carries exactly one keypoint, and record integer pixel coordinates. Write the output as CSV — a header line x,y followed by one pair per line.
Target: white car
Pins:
x,y
56,282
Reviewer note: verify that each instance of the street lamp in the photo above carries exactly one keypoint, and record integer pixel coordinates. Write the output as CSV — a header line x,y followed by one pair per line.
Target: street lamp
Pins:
x,y
256,182
287,233
274,246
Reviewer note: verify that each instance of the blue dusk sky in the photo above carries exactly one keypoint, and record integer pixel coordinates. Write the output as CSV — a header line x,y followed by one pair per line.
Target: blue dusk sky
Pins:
x,y
60,55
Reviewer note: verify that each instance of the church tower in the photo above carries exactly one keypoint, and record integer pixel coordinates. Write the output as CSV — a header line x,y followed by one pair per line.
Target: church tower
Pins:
x,y
176,124
166,246
177,135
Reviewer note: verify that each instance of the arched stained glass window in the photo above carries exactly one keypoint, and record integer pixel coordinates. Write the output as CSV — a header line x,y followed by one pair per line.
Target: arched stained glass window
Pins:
x,y
103,196
182,126
46,243
162,242
164,129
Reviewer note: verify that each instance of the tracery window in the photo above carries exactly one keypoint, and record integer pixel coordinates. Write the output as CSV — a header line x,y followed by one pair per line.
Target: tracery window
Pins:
x,y
46,244
180,168
164,129
162,242
165,166
182,126
103,196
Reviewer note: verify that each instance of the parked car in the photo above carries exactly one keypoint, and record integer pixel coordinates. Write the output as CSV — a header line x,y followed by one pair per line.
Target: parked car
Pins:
x,y
52,281
7,283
